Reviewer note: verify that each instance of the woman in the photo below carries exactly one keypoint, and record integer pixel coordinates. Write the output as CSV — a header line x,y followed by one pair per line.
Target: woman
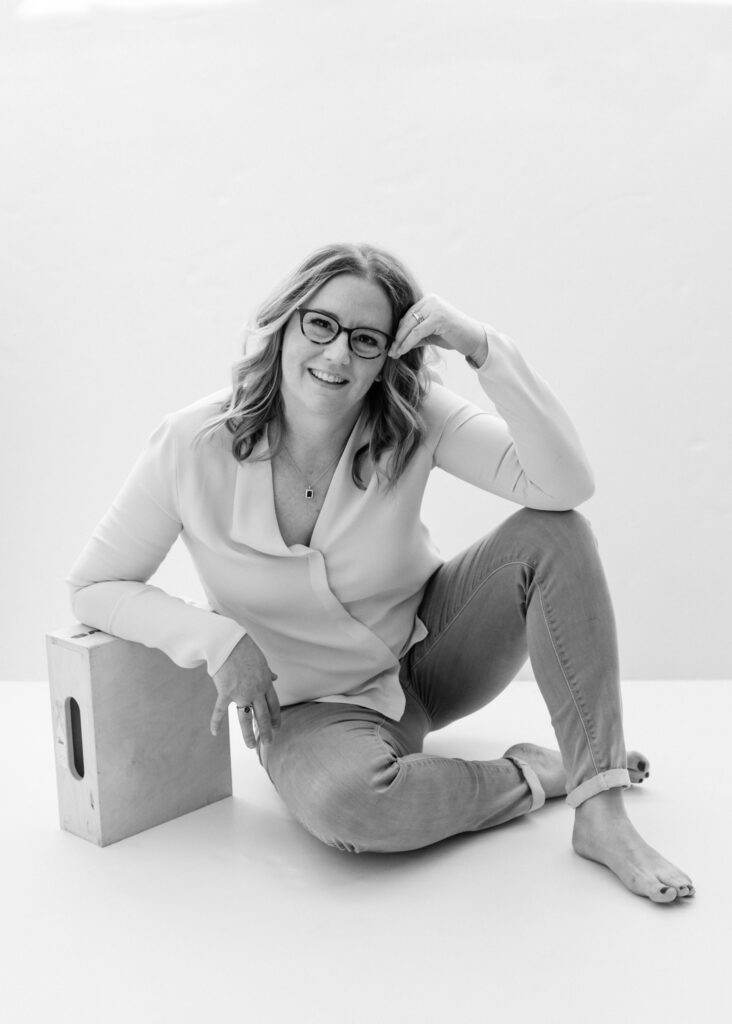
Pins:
x,y
333,622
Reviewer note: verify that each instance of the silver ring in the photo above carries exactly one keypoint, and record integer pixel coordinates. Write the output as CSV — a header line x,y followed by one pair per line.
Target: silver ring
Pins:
x,y
247,709
418,317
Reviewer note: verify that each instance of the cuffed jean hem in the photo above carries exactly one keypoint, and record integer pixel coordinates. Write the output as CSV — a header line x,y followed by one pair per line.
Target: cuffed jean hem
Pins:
x,y
538,796
610,779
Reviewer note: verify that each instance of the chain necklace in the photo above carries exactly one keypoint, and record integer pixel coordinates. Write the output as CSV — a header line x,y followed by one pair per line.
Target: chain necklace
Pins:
x,y
310,487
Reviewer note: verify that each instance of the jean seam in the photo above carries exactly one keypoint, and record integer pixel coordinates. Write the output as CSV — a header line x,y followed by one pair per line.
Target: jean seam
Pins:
x,y
379,737
465,604
427,759
389,754
415,696
564,674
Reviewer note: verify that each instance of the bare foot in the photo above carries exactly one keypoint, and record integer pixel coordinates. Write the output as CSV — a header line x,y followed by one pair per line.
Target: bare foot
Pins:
x,y
548,765
604,833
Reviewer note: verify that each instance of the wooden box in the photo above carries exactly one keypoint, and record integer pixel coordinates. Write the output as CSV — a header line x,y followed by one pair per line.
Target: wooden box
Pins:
x,y
131,735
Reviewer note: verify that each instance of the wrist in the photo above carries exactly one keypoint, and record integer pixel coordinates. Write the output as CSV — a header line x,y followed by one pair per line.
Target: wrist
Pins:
x,y
478,356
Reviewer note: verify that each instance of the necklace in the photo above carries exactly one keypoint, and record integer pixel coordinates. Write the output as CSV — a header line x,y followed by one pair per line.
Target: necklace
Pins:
x,y
310,487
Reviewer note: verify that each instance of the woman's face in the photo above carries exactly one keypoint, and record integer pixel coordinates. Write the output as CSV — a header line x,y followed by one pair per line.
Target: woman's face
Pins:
x,y
354,302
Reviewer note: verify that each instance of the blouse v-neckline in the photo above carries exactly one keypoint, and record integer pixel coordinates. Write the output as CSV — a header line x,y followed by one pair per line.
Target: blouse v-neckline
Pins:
x,y
345,460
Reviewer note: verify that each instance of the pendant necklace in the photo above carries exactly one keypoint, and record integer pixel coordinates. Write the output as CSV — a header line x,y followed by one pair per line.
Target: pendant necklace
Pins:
x,y
310,487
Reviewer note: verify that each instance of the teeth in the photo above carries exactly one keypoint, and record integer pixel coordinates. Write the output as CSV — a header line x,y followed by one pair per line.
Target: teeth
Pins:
x,y
327,377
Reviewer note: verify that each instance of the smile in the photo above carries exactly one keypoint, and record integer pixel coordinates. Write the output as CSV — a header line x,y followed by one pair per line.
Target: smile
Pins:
x,y
327,378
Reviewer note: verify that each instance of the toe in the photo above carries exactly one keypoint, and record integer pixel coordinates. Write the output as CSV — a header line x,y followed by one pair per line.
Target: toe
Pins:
x,y
683,886
638,762
663,894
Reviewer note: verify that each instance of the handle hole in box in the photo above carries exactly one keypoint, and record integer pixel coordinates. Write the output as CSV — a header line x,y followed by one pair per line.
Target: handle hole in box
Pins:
x,y
74,742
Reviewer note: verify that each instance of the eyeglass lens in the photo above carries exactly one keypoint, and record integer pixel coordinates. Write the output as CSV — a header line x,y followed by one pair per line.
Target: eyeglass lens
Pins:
x,y
321,329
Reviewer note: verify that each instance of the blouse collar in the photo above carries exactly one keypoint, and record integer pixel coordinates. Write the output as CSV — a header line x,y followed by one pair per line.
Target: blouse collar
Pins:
x,y
254,522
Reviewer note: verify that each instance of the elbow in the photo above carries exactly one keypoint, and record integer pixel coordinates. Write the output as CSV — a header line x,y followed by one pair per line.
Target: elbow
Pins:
x,y
563,499
74,590
589,488
583,492
74,584
78,592
580,483
572,496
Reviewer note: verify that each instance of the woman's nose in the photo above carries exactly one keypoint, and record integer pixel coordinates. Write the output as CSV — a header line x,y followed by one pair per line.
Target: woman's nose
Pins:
x,y
338,350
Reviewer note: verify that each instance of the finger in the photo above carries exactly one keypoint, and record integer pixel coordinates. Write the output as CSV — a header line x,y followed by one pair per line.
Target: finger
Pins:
x,y
419,335
220,708
409,323
406,328
264,720
274,708
246,724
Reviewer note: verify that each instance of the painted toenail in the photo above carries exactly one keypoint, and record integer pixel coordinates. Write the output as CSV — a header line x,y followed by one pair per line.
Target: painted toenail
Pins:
x,y
642,765
665,889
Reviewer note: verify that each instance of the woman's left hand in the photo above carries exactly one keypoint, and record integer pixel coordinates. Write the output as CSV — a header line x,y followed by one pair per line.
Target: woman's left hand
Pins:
x,y
439,324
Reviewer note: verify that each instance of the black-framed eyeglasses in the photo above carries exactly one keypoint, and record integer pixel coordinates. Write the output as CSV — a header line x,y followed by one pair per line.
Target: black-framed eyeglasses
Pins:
x,y
322,328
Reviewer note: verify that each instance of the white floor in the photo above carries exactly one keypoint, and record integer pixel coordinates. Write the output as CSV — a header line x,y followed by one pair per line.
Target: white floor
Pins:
x,y
234,913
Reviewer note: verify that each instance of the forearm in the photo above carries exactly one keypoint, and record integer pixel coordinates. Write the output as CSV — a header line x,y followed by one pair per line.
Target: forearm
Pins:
x,y
145,614
548,446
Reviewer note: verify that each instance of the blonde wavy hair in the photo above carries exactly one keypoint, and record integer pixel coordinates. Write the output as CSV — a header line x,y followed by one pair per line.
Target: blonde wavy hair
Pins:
x,y
393,403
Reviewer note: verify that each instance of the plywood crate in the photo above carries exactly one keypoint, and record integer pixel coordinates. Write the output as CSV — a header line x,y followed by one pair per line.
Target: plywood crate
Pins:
x,y
131,735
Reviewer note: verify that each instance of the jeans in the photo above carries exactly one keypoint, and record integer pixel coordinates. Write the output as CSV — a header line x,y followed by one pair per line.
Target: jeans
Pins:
x,y
533,587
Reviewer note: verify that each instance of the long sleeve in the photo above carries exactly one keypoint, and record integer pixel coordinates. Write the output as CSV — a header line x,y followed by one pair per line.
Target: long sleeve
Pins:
x,y
530,453
108,581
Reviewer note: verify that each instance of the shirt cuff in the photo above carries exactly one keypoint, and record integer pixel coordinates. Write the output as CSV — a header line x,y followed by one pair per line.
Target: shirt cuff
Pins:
x,y
469,359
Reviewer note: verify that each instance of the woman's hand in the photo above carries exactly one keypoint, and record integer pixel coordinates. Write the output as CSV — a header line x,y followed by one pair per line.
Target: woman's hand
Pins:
x,y
245,677
443,325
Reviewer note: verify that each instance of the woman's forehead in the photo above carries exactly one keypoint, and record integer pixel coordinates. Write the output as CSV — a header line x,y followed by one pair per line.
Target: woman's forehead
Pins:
x,y
352,298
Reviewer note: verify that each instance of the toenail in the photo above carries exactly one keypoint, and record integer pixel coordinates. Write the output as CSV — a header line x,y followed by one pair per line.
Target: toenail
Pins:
x,y
642,765
665,889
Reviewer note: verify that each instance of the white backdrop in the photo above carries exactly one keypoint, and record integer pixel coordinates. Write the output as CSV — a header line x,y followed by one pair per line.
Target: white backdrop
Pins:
x,y
559,169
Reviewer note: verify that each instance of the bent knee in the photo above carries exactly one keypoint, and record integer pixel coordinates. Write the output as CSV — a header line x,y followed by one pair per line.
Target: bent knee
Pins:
x,y
353,815
564,518
556,525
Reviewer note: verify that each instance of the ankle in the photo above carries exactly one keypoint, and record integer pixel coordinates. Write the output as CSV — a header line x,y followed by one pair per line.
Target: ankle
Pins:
x,y
603,804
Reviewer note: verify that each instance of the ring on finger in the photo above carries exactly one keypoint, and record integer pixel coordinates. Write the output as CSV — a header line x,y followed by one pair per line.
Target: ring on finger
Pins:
x,y
246,708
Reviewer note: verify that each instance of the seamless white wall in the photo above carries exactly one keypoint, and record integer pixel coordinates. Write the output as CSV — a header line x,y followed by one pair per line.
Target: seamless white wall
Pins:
x,y
560,169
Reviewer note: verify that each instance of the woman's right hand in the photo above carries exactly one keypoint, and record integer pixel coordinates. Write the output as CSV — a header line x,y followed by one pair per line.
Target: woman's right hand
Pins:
x,y
246,678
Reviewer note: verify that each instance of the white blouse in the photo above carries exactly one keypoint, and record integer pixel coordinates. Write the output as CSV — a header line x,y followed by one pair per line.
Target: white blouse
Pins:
x,y
333,618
